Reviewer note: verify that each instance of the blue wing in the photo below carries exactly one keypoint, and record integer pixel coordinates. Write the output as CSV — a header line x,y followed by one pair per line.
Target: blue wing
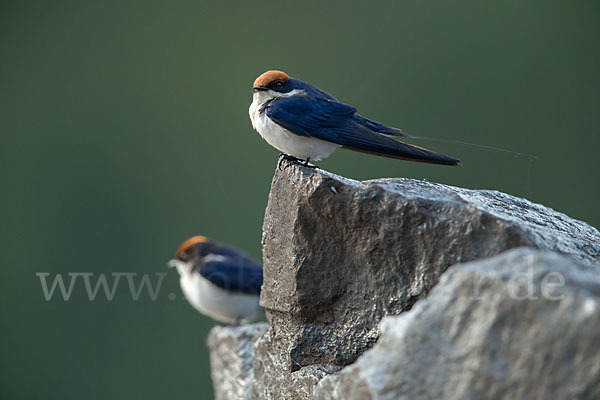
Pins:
x,y
330,120
309,117
236,274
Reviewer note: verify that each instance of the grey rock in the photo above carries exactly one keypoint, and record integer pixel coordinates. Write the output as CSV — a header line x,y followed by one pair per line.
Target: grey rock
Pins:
x,y
521,325
231,358
339,255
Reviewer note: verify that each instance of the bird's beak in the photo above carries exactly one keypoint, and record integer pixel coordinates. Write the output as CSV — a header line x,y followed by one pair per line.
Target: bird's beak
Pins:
x,y
172,263
259,88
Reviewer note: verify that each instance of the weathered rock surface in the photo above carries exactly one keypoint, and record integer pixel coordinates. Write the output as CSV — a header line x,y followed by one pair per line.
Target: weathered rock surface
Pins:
x,y
232,355
339,255
523,325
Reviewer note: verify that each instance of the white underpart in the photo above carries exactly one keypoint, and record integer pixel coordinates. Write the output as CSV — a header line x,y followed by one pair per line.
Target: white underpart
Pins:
x,y
219,304
283,140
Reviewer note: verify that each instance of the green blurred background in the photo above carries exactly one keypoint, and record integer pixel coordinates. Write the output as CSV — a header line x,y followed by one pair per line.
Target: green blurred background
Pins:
x,y
125,130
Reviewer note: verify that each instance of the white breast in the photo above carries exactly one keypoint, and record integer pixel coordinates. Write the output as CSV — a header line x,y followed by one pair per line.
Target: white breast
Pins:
x,y
217,303
283,140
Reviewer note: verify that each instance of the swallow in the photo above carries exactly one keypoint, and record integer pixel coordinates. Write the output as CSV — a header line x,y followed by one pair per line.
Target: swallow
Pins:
x,y
219,281
307,123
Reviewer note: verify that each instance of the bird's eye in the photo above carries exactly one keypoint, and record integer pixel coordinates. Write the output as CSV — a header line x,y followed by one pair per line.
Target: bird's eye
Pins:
x,y
278,84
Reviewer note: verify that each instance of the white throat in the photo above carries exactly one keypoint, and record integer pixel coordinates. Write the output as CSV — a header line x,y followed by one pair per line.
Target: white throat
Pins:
x,y
260,97
209,299
302,147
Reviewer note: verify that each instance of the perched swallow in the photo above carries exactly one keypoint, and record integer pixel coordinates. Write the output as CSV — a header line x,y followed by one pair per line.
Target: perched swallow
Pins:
x,y
219,281
307,123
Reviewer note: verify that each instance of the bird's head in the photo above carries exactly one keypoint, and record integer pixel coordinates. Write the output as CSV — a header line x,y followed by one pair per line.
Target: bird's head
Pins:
x,y
273,84
276,81
189,253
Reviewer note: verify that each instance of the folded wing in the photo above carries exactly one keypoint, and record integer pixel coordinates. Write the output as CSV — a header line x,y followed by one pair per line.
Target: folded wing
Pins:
x,y
336,122
240,275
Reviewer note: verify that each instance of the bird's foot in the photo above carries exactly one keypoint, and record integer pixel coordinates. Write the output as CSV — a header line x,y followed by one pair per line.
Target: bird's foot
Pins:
x,y
287,157
307,165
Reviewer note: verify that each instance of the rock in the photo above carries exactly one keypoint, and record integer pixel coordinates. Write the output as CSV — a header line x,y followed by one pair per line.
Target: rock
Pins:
x,y
231,358
339,255
501,328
